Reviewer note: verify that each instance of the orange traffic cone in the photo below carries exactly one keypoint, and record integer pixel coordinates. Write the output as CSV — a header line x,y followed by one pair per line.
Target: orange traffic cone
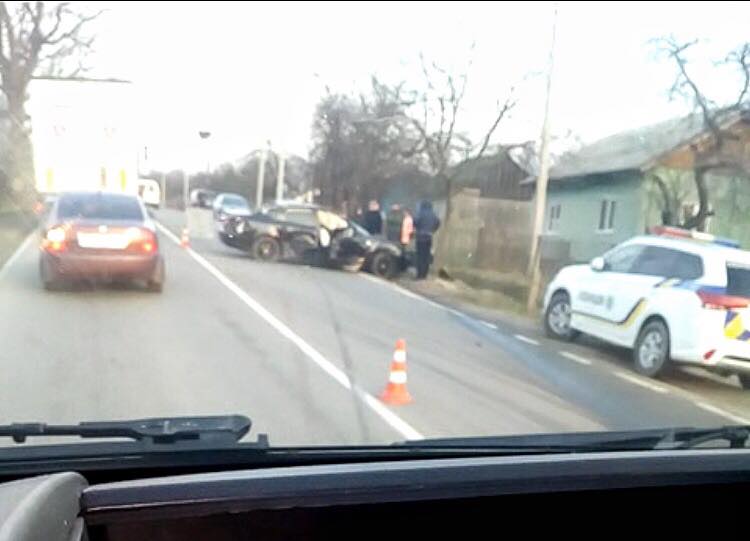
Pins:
x,y
395,392
185,238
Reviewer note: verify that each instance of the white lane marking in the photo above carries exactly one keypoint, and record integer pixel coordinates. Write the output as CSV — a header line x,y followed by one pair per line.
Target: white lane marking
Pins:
x,y
489,325
21,249
396,422
638,381
576,358
723,413
526,339
404,291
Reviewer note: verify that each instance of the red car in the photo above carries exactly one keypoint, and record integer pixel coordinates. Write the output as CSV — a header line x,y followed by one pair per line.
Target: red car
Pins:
x,y
100,236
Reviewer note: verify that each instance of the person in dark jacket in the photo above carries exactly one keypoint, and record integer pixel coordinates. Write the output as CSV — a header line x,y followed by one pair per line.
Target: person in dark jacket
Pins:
x,y
373,219
425,225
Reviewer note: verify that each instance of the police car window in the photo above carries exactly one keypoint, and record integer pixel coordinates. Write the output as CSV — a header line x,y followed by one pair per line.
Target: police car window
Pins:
x,y
659,261
622,259
686,266
654,261
738,281
301,217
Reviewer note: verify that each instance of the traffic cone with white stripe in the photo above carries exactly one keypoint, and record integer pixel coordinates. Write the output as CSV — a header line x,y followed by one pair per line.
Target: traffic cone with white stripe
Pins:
x,y
185,238
395,392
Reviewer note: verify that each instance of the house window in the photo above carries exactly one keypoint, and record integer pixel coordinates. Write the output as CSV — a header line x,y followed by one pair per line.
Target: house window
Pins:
x,y
554,217
607,215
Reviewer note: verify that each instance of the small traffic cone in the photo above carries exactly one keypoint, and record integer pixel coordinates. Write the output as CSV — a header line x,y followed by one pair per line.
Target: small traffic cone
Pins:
x,y
395,392
185,238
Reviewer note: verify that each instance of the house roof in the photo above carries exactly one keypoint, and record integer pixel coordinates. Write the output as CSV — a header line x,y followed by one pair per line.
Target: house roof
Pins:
x,y
633,149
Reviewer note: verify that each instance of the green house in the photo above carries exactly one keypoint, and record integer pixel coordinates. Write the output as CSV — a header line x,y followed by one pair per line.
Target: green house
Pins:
x,y
623,184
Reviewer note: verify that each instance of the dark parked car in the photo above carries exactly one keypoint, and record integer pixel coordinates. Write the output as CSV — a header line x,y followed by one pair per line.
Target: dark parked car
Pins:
x,y
314,235
202,198
100,236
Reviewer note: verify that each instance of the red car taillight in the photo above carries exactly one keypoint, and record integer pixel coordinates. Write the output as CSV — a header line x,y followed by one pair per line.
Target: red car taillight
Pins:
x,y
721,301
55,239
143,240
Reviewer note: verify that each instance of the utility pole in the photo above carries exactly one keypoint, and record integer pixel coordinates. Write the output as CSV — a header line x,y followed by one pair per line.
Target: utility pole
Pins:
x,y
261,177
533,271
280,177
164,189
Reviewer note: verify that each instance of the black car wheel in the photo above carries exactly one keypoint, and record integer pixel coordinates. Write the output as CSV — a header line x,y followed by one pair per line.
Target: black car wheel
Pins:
x,y
50,280
384,265
744,380
266,249
156,282
651,351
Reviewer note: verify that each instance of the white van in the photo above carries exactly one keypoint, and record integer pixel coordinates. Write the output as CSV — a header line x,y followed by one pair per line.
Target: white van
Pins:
x,y
150,192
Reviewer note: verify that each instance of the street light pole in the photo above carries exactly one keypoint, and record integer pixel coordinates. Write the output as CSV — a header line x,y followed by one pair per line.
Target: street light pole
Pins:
x,y
533,270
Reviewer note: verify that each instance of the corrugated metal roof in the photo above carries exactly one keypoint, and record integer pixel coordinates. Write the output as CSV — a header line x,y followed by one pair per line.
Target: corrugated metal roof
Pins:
x,y
631,149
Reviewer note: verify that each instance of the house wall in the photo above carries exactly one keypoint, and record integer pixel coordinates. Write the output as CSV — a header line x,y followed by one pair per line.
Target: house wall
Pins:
x,y
580,202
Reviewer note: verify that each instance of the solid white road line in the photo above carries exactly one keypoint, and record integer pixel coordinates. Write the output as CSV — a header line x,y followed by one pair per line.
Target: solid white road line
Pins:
x,y
21,249
576,358
489,325
396,422
526,339
638,381
723,413
406,292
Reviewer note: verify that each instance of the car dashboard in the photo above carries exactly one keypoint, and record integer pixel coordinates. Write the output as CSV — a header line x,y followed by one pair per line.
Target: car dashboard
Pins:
x,y
398,499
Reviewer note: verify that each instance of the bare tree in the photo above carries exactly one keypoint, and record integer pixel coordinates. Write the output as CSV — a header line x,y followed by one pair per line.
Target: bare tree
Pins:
x,y
715,153
35,38
361,143
439,111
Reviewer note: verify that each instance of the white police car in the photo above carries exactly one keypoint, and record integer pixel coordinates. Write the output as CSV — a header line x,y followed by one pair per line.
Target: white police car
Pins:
x,y
673,296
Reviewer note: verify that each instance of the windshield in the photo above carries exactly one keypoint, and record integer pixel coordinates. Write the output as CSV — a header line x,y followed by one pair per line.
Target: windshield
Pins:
x,y
376,222
99,207
233,201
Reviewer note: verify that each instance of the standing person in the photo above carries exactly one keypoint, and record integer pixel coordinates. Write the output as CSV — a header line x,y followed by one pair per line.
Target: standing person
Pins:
x,y
393,222
407,231
426,224
373,219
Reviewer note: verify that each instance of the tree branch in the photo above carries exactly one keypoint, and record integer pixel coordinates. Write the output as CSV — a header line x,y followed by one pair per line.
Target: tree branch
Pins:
x,y
73,32
509,104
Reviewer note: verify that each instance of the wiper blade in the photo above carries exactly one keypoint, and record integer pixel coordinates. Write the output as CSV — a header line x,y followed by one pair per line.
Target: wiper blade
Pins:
x,y
564,442
165,430
736,436
634,440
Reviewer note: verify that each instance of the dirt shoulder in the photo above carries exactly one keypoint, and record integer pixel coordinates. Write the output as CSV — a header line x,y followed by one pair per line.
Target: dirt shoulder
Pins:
x,y
486,304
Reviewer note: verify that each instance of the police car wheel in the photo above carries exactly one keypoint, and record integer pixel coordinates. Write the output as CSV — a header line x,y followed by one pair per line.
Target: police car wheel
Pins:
x,y
651,352
557,318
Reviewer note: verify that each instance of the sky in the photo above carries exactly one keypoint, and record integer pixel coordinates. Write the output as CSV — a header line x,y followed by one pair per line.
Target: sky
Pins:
x,y
253,72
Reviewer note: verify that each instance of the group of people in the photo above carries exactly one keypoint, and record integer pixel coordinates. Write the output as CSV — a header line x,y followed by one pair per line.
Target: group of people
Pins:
x,y
400,226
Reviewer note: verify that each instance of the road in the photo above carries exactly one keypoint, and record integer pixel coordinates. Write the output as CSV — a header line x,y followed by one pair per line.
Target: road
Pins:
x,y
305,352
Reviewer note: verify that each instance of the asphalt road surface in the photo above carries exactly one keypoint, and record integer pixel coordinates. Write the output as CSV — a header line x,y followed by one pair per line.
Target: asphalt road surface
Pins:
x,y
305,352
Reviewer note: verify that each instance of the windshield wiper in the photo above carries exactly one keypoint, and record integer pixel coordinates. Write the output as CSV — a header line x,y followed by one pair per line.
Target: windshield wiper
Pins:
x,y
635,440
736,436
166,430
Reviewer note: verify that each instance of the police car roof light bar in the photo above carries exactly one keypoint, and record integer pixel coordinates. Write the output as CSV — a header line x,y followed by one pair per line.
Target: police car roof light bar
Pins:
x,y
678,232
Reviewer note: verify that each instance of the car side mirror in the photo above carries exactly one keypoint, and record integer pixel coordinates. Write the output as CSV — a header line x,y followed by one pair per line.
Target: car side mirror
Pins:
x,y
597,264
